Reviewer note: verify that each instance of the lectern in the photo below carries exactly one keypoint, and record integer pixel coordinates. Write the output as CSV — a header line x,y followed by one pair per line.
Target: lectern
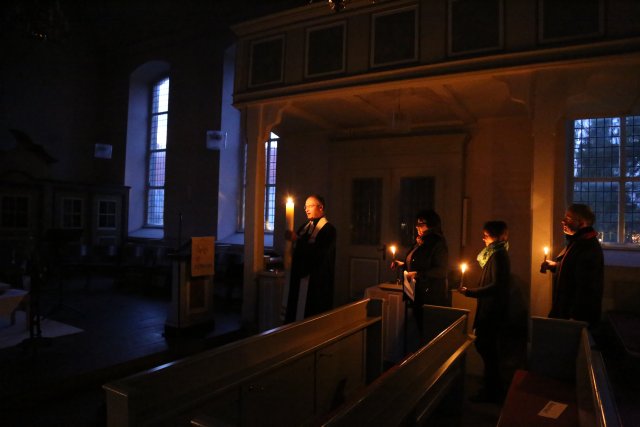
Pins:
x,y
191,287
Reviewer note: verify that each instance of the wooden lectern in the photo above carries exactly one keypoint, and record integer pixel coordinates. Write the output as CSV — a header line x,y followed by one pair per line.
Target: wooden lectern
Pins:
x,y
191,286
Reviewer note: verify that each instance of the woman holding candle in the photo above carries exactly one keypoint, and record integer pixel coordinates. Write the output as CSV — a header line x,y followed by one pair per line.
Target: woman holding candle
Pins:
x,y
427,262
492,293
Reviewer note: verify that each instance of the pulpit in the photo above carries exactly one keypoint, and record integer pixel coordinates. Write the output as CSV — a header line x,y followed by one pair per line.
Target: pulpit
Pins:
x,y
191,286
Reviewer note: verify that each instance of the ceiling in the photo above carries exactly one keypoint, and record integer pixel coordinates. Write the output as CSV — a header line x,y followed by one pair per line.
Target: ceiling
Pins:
x,y
408,106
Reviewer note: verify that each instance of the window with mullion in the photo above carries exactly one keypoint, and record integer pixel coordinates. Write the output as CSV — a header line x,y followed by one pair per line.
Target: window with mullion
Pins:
x,y
157,152
271,158
606,175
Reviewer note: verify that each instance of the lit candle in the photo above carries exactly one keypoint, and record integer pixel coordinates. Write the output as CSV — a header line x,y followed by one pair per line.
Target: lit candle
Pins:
x,y
393,251
463,268
290,213
543,266
289,245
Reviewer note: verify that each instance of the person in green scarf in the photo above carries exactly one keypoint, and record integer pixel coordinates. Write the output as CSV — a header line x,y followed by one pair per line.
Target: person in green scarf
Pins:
x,y
492,293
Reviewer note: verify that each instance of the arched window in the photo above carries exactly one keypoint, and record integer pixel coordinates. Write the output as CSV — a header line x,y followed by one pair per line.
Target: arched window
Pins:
x,y
146,148
157,153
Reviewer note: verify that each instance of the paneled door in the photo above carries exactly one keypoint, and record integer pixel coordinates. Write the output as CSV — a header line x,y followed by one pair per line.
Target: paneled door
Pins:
x,y
377,188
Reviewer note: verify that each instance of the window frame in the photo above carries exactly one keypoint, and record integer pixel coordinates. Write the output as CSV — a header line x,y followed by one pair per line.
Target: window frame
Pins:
x,y
268,203
152,135
621,179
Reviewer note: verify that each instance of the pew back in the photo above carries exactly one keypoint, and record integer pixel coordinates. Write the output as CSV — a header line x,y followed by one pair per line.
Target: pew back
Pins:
x,y
407,393
281,377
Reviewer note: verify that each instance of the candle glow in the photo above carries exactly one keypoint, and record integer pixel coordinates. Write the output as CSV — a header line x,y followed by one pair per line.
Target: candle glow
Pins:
x,y
546,252
393,251
289,213
463,268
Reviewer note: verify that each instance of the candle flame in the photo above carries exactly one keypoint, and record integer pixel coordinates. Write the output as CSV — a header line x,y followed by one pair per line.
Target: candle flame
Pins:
x,y
290,200
463,267
393,249
546,250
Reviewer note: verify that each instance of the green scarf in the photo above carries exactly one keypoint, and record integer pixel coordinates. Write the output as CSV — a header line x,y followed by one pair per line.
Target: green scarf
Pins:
x,y
488,251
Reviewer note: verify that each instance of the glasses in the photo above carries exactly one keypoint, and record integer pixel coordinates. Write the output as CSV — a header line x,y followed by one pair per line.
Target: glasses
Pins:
x,y
310,206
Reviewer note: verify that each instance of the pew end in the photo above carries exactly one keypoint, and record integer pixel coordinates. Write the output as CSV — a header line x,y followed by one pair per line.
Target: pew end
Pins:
x,y
563,369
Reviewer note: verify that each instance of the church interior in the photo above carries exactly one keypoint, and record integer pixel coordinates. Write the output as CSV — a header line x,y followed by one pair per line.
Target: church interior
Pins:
x,y
153,153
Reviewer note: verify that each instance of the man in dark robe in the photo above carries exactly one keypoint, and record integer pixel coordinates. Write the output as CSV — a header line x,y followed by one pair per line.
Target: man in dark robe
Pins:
x,y
313,263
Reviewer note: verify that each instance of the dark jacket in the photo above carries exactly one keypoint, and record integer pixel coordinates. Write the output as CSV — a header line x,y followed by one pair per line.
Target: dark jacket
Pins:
x,y
430,262
578,279
493,291
316,260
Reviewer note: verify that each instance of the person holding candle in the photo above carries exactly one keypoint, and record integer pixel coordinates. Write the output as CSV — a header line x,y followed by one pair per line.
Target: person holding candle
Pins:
x,y
578,270
427,263
492,294
313,262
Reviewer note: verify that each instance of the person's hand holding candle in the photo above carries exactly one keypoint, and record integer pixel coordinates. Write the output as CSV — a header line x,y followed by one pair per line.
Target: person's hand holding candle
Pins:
x,y
546,264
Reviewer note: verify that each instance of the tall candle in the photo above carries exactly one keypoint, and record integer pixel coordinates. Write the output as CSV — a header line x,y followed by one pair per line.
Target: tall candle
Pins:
x,y
289,245
463,268
289,213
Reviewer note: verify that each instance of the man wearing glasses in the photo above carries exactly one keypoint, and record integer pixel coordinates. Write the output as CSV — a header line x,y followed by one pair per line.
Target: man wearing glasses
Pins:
x,y
578,278
312,265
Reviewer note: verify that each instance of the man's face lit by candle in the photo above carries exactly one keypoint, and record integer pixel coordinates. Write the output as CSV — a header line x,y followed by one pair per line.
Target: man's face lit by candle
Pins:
x,y
313,208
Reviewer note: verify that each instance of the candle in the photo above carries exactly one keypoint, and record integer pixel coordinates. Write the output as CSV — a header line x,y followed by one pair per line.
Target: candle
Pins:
x,y
546,252
463,268
393,251
289,245
290,213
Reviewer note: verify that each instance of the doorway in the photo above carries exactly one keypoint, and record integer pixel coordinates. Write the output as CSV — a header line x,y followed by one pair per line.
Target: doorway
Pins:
x,y
377,187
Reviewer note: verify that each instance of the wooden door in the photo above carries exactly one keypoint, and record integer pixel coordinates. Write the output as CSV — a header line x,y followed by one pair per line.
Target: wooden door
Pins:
x,y
377,188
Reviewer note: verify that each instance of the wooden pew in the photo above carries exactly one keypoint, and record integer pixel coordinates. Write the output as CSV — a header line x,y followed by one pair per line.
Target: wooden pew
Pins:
x,y
409,392
563,368
283,377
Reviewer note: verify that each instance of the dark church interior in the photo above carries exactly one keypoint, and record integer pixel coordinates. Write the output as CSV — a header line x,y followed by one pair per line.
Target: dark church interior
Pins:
x,y
106,319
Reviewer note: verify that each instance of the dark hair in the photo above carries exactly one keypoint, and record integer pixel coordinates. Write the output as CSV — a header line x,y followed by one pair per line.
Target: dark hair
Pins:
x,y
319,198
583,212
430,217
495,229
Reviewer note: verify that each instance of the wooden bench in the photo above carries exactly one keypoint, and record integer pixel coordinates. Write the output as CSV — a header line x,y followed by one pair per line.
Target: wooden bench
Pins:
x,y
410,391
287,376
563,369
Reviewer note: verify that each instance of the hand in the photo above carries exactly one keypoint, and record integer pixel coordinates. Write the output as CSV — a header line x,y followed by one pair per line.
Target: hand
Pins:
x,y
462,290
411,275
547,265
396,264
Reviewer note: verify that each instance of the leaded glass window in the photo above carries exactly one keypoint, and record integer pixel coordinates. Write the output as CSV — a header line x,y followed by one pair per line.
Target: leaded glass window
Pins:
x,y
606,174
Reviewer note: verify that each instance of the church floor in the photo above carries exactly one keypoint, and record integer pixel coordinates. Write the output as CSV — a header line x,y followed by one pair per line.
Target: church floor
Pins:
x,y
58,382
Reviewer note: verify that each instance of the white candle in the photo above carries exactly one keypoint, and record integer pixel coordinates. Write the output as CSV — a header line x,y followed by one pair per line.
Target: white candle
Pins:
x,y
289,213
289,245
463,268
